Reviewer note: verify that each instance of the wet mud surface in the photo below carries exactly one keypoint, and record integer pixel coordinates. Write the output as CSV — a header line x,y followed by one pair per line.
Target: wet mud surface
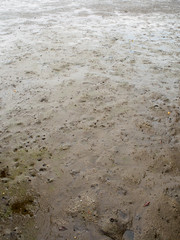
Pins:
x,y
89,120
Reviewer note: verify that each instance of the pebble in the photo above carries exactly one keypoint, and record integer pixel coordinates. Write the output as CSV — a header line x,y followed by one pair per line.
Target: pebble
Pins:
x,y
32,172
128,235
138,217
122,215
50,180
5,180
16,164
65,147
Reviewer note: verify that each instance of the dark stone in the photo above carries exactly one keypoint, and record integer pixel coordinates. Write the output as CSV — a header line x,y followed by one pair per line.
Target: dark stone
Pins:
x,y
128,235
122,215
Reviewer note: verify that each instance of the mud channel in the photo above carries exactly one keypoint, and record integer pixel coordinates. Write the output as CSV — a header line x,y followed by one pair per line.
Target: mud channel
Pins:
x,y
89,120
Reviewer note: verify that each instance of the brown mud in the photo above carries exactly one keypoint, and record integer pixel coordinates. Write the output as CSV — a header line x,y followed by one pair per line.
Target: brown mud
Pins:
x,y
90,120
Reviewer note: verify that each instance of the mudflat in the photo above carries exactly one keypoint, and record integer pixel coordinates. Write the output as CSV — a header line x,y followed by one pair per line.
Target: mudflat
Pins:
x,y
89,120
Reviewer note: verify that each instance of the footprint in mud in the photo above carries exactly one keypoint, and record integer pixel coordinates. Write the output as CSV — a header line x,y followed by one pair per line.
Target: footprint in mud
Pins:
x,y
4,172
23,206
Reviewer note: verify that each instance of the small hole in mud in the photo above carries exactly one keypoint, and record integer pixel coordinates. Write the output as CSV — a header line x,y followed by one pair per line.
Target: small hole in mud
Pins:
x,y
112,220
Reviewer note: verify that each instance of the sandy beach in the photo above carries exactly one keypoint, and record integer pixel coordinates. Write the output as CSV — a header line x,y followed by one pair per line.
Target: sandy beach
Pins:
x,y
89,120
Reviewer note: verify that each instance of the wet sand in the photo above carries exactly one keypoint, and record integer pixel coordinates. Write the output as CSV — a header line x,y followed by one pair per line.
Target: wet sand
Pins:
x,y
89,120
